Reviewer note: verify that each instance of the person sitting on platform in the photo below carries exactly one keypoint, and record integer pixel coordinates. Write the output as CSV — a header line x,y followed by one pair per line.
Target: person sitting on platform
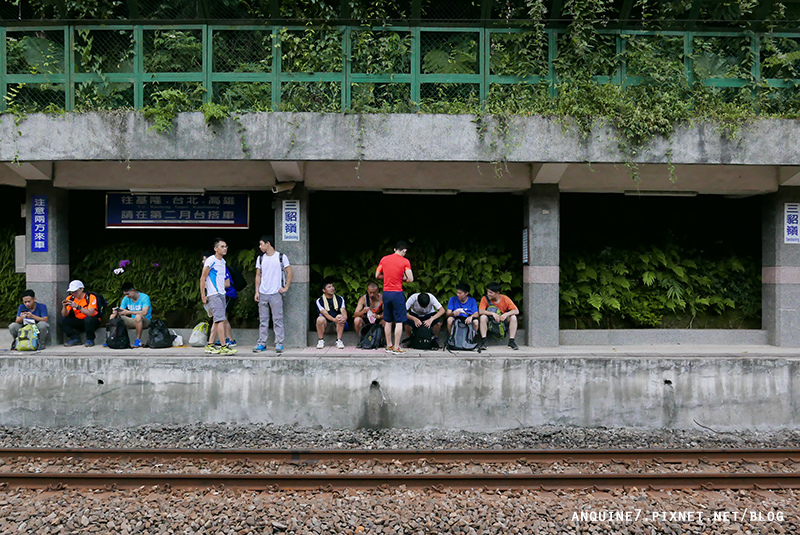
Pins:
x,y
424,309
31,312
135,311
462,307
79,312
331,312
496,309
369,309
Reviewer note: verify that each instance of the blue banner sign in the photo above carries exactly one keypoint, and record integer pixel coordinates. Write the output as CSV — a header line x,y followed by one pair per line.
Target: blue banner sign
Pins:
x,y
174,210
40,224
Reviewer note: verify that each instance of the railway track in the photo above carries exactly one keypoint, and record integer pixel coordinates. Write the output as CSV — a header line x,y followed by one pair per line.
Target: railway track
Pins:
x,y
497,480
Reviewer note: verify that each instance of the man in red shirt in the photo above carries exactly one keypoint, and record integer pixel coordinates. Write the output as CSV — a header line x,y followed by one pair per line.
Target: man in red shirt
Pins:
x,y
394,269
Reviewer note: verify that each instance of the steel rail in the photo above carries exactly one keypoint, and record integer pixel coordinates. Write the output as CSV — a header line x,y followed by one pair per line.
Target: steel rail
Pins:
x,y
435,456
705,481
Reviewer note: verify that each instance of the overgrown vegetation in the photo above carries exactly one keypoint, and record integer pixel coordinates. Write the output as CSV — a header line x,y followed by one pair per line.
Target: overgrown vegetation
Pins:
x,y
169,275
13,283
641,84
437,269
659,287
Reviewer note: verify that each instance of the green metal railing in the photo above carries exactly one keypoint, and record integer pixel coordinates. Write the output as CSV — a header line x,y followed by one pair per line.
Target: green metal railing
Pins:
x,y
297,68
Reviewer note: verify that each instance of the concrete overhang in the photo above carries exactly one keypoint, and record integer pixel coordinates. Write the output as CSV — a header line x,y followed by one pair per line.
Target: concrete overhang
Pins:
x,y
392,137
156,175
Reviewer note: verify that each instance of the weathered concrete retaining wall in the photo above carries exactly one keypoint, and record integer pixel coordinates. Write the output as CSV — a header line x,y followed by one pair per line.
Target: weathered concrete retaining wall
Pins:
x,y
393,137
726,393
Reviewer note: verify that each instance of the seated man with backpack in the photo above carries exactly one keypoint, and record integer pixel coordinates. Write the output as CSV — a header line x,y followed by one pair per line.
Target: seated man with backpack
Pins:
x,y
331,313
30,313
80,311
424,311
462,309
368,319
134,311
497,312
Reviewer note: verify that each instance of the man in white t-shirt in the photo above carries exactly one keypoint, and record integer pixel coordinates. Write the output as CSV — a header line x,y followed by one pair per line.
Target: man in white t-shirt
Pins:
x,y
424,309
212,292
273,278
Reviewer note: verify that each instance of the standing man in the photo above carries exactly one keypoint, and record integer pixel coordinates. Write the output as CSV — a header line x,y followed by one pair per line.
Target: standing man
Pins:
x,y
273,278
394,269
79,312
134,311
30,312
212,292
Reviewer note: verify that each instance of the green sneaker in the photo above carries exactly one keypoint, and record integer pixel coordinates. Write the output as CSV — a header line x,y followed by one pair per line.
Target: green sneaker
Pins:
x,y
211,349
225,350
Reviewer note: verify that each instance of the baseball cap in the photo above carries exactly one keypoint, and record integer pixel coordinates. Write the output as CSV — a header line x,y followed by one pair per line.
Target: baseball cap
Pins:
x,y
75,285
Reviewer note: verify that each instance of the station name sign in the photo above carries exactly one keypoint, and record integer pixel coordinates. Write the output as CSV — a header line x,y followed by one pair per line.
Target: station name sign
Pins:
x,y
174,210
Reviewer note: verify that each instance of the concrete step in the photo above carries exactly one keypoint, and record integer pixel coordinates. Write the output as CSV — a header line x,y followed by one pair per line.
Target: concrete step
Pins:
x,y
247,338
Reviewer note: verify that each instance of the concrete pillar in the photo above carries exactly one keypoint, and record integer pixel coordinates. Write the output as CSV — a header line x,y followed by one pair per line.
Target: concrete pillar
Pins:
x,y
780,271
541,275
47,273
296,300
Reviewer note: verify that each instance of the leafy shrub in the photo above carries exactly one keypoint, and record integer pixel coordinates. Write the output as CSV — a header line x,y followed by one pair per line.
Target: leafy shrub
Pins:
x,y
640,288
169,275
437,269
13,283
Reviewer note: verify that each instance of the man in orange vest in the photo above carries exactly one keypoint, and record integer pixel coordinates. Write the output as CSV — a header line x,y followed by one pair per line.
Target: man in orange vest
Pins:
x,y
79,312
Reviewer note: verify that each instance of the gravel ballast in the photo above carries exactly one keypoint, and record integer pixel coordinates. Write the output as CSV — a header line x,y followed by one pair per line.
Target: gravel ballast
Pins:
x,y
259,436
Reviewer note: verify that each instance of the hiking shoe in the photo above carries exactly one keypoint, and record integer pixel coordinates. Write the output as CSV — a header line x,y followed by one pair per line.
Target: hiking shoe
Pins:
x,y
483,345
321,344
339,344
225,350
72,342
211,349
278,348
512,344
230,343
259,348
89,343
137,343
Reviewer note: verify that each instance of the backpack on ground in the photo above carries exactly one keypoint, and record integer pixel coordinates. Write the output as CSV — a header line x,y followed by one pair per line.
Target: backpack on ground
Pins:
x,y
422,338
462,336
159,335
28,338
199,336
497,330
373,338
117,334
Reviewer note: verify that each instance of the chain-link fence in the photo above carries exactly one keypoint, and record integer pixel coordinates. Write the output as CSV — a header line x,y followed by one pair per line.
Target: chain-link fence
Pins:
x,y
386,69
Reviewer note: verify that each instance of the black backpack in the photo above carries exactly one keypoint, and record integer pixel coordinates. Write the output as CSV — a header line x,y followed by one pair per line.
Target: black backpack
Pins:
x,y
101,303
462,336
117,334
373,337
237,279
159,335
422,338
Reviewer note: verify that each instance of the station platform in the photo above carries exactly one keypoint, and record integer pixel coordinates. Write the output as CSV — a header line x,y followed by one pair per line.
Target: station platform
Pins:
x,y
719,387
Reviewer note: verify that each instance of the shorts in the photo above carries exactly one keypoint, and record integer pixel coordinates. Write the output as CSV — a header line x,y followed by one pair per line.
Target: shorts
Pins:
x,y
394,307
330,326
216,307
130,322
410,322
